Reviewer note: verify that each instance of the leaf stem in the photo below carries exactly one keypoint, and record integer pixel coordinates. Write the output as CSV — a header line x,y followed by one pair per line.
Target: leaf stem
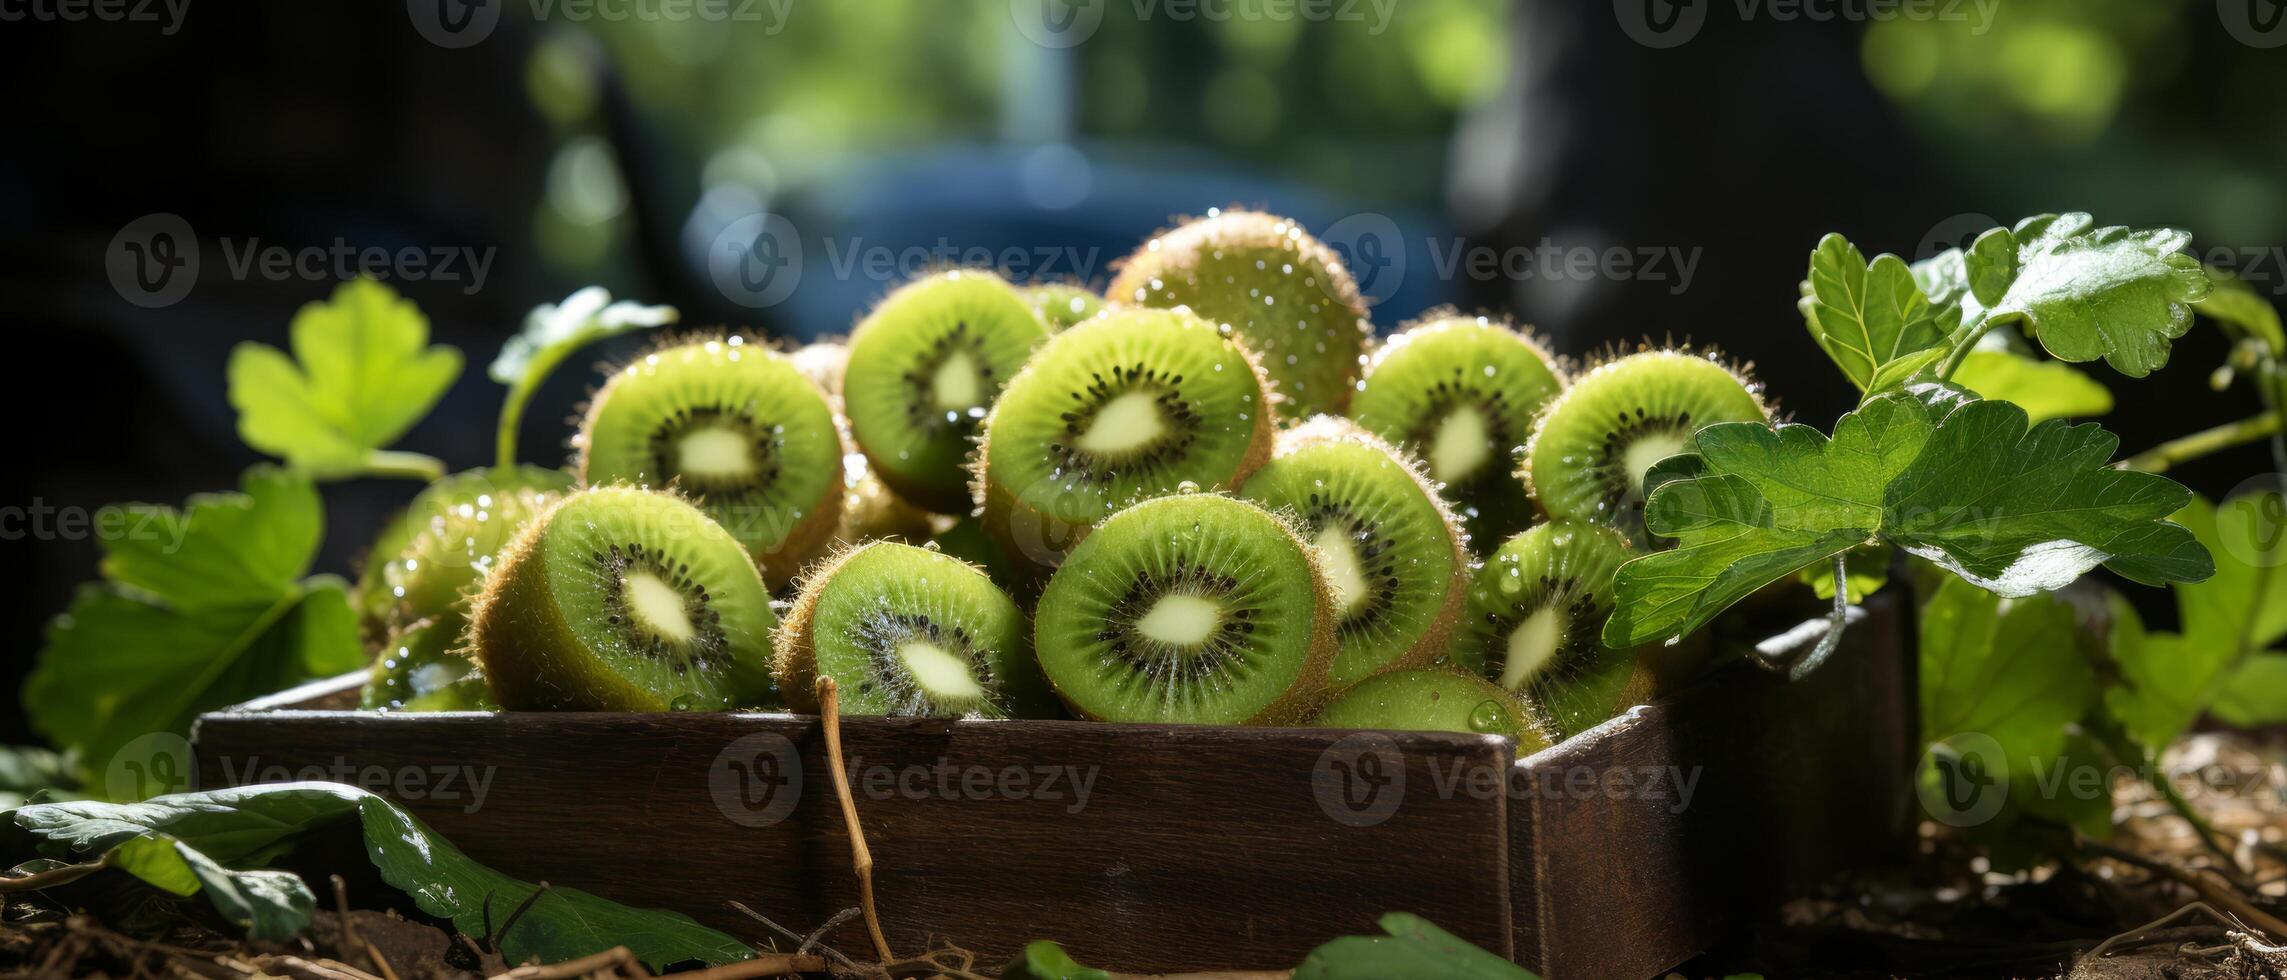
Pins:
x,y
2160,458
410,466
1968,343
1837,621
2127,753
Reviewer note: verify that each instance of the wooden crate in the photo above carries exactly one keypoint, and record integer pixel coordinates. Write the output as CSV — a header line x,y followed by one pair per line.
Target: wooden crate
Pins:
x,y
1162,847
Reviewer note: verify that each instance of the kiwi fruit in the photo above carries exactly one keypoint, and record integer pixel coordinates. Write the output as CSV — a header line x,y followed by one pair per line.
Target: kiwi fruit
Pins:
x,y
460,493
1060,304
1282,292
1460,393
1594,444
909,631
1536,618
1432,701
870,510
420,668
924,367
1391,551
625,599
446,559
736,427
1129,405
1192,608
822,362
967,540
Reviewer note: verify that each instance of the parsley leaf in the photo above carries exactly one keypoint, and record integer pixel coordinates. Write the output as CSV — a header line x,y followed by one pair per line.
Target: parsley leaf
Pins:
x,y
2168,680
199,608
2117,293
1962,482
1869,315
2009,670
361,374
2044,389
552,331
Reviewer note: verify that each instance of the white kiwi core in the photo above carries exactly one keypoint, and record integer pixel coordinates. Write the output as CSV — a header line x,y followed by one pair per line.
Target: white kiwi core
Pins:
x,y
1461,446
1181,620
1532,644
946,677
1642,453
713,454
1343,574
657,607
1125,424
956,386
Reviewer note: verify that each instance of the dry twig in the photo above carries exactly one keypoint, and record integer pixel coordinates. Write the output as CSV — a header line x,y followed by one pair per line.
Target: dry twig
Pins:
x,y
830,715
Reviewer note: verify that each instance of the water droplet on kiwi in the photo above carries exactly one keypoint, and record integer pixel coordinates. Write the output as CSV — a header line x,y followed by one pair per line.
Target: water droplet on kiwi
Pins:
x,y
1489,717
1187,486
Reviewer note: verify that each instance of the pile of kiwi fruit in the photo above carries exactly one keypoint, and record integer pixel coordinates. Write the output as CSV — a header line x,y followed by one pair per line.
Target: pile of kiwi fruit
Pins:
x,y
1209,494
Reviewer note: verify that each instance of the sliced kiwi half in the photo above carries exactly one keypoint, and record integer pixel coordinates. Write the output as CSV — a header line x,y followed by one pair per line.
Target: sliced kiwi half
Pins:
x,y
1460,393
904,630
1536,616
924,368
1062,304
1594,444
1129,405
734,426
1282,292
1432,701
1193,608
625,599
467,493
1390,549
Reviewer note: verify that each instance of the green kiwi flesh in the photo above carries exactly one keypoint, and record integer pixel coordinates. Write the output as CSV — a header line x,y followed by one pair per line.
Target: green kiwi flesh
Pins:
x,y
1536,618
1594,444
1193,608
923,370
1282,292
909,631
1129,405
625,599
465,492
1060,305
1432,701
734,426
1460,393
1391,553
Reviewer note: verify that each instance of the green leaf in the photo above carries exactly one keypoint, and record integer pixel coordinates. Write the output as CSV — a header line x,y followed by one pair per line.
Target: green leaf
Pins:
x,y
2008,669
274,906
2044,389
1963,483
2244,313
362,373
1865,571
1044,960
1903,371
1867,315
241,828
2256,695
552,331
2116,293
1990,265
201,609
1414,949
26,770
2168,680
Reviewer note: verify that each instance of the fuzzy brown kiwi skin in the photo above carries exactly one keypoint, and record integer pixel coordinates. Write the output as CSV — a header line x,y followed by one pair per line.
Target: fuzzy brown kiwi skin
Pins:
x,y
793,660
1246,228
807,540
1309,691
1434,641
997,508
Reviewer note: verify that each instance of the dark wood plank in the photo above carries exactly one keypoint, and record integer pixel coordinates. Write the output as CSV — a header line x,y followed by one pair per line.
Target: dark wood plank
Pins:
x,y
1195,847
